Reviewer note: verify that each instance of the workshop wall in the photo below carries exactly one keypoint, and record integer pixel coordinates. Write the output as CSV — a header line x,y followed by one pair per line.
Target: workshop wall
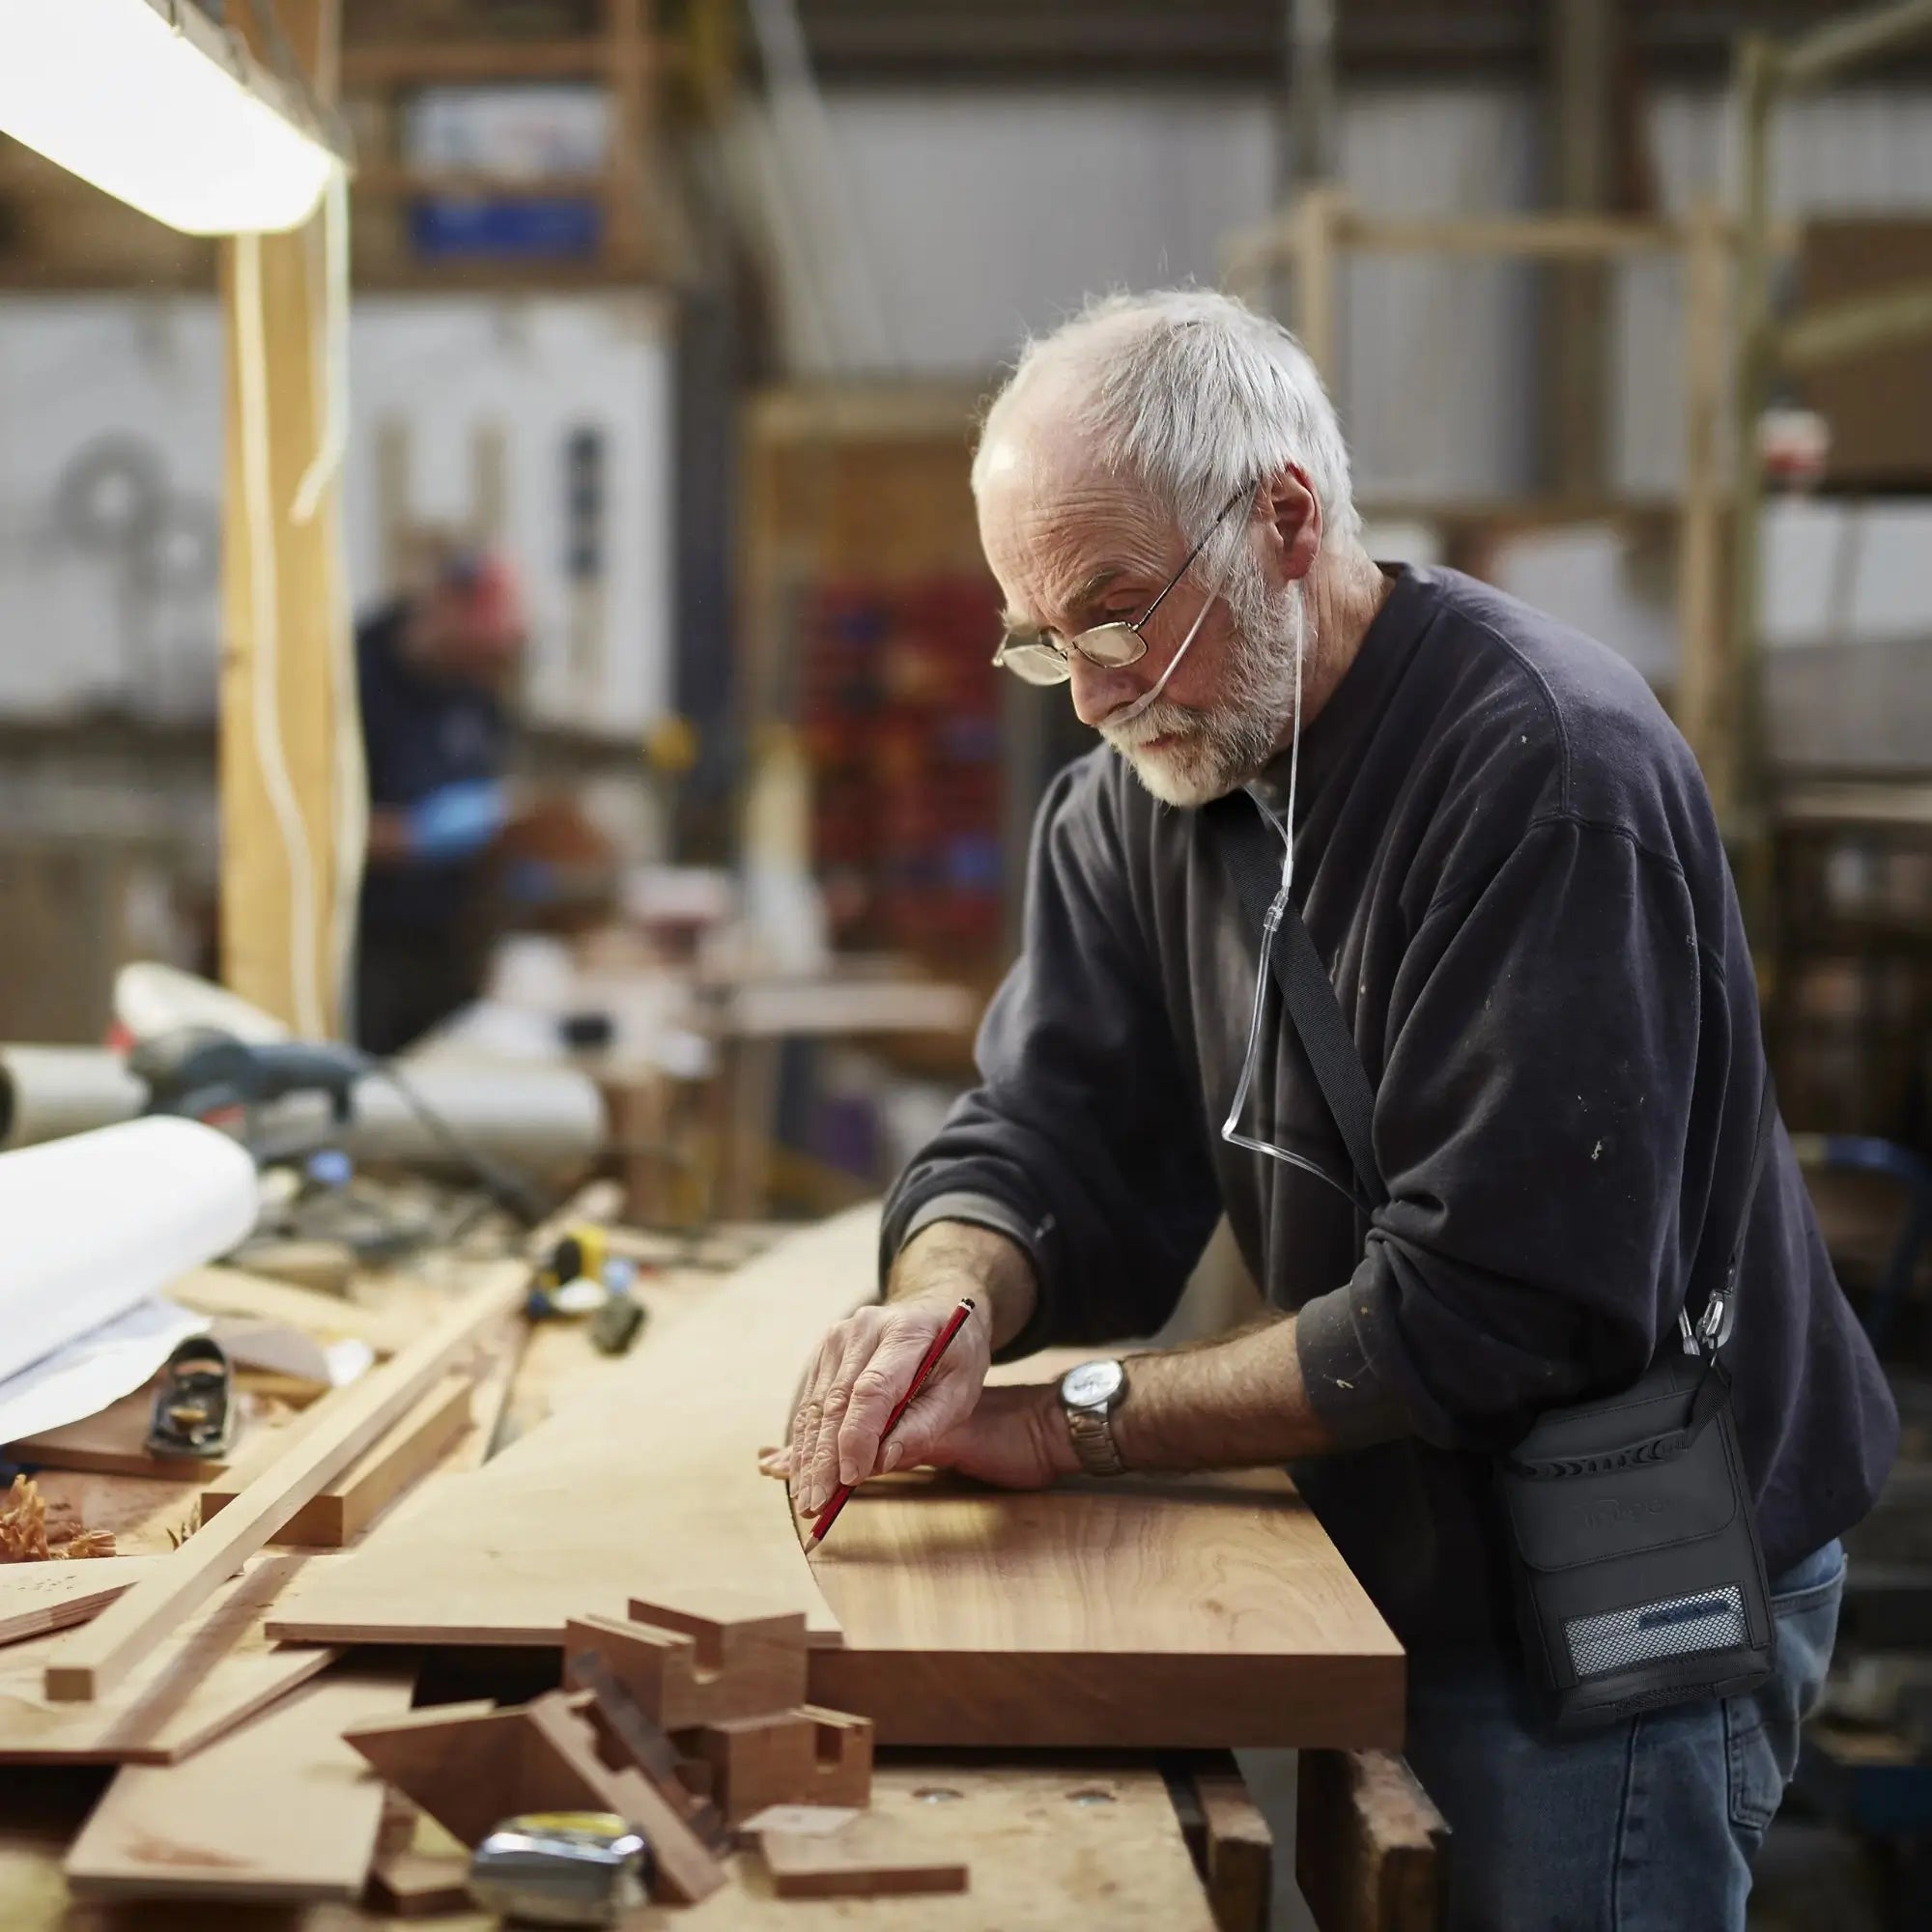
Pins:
x,y
990,212
110,481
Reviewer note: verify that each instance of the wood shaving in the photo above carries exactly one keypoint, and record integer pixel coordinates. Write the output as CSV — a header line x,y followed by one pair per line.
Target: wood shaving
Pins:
x,y
25,1538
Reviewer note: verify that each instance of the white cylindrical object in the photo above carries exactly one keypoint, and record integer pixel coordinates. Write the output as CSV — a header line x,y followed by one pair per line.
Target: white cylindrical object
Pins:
x,y
99,1221
545,1121
46,1092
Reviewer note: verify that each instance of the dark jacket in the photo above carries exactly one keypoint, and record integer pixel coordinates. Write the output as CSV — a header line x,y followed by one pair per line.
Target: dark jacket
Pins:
x,y
1508,858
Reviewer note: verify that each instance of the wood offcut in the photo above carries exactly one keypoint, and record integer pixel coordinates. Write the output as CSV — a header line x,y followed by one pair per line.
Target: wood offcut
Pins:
x,y
95,1659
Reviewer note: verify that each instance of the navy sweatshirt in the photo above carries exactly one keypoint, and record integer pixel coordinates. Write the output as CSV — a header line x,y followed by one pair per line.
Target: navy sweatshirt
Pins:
x,y
1507,858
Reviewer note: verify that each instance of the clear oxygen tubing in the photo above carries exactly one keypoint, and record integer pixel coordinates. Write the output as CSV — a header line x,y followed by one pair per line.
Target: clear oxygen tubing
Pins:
x,y
1284,824
1129,713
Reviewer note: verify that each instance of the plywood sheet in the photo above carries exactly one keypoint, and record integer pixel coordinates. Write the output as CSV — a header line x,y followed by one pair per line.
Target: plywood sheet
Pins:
x,y
35,1598
1139,1613
646,1486
279,1811
203,1679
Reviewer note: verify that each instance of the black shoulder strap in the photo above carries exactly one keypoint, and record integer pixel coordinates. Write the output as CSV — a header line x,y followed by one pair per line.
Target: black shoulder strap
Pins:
x,y
1721,1309
1251,851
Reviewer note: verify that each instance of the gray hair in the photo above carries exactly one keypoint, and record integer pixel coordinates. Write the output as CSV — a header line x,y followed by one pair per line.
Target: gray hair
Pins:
x,y
1193,394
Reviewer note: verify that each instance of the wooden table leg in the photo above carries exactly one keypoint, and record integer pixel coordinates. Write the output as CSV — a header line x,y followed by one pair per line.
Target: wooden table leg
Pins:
x,y
1231,1845
1371,1848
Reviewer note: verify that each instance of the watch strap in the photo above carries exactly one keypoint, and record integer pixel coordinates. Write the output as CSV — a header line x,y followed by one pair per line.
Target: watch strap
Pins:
x,y
1092,1433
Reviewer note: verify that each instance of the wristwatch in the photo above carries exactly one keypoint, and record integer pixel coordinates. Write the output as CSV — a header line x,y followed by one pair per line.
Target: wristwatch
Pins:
x,y
1089,1395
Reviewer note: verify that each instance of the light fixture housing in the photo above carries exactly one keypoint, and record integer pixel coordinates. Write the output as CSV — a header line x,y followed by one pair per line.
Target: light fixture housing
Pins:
x,y
158,106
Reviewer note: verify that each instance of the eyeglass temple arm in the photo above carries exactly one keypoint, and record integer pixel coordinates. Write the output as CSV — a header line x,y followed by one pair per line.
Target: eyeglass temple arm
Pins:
x,y
1220,516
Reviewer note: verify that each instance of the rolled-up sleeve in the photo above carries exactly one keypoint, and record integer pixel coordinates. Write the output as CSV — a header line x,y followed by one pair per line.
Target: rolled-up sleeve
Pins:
x,y
1082,1139
1531,1125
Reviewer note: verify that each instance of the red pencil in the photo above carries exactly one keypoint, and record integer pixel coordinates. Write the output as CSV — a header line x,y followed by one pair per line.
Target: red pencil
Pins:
x,y
941,1342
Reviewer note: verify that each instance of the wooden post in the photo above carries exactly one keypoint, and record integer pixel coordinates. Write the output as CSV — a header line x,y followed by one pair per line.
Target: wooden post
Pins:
x,y
1371,1850
1701,665
1581,139
1316,297
287,690
626,244
1736,774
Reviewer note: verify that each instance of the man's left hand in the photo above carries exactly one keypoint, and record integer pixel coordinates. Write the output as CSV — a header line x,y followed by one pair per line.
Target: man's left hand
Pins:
x,y
1015,1439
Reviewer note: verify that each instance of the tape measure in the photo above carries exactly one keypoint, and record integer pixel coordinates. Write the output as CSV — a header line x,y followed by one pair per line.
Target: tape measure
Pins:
x,y
561,1868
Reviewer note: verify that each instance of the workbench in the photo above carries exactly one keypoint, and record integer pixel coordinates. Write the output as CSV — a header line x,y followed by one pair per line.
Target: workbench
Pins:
x,y
1047,1839
1131,1838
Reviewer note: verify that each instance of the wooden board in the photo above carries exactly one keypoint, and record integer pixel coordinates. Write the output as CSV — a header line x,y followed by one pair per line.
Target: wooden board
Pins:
x,y
35,1598
278,1811
205,1678
1134,1613
92,1661
354,1500
644,1486
1139,1613
864,1861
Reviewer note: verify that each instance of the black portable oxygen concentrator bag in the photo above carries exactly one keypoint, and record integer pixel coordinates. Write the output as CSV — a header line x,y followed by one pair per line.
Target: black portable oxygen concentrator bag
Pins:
x,y
1633,1542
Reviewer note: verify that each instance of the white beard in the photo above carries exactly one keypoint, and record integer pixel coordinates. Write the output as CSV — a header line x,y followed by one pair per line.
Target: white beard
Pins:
x,y
1213,752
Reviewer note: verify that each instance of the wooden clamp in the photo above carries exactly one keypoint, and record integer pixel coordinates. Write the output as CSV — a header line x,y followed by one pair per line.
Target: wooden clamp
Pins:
x,y
685,1669
731,1692
807,1756
622,1726
471,1766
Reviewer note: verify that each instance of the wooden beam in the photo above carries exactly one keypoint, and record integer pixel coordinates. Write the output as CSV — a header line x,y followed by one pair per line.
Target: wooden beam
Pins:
x,y
1317,284
1701,637
98,1658
405,62
1580,141
1835,46
290,744
628,66
1576,237
1857,325
216,1670
354,1500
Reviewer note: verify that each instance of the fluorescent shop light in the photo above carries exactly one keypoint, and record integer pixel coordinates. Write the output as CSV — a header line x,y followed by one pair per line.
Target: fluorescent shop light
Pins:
x,y
153,103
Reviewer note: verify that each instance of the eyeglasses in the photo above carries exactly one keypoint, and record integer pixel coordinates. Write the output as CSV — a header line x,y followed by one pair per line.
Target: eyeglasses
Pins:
x,y
1038,659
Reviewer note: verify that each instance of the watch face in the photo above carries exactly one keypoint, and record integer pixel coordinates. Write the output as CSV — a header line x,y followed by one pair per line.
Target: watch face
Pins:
x,y
1092,1384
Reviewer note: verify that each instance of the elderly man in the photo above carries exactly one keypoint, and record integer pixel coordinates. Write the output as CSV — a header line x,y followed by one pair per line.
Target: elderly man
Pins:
x,y
1508,862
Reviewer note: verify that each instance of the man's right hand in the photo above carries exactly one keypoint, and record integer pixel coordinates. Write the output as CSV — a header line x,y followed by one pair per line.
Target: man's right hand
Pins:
x,y
867,1363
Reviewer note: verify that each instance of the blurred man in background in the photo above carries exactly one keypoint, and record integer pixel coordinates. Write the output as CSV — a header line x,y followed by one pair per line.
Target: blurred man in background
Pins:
x,y
434,669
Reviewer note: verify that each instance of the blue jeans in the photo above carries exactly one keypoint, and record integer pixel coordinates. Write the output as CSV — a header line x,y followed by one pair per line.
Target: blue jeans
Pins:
x,y
1648,1826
